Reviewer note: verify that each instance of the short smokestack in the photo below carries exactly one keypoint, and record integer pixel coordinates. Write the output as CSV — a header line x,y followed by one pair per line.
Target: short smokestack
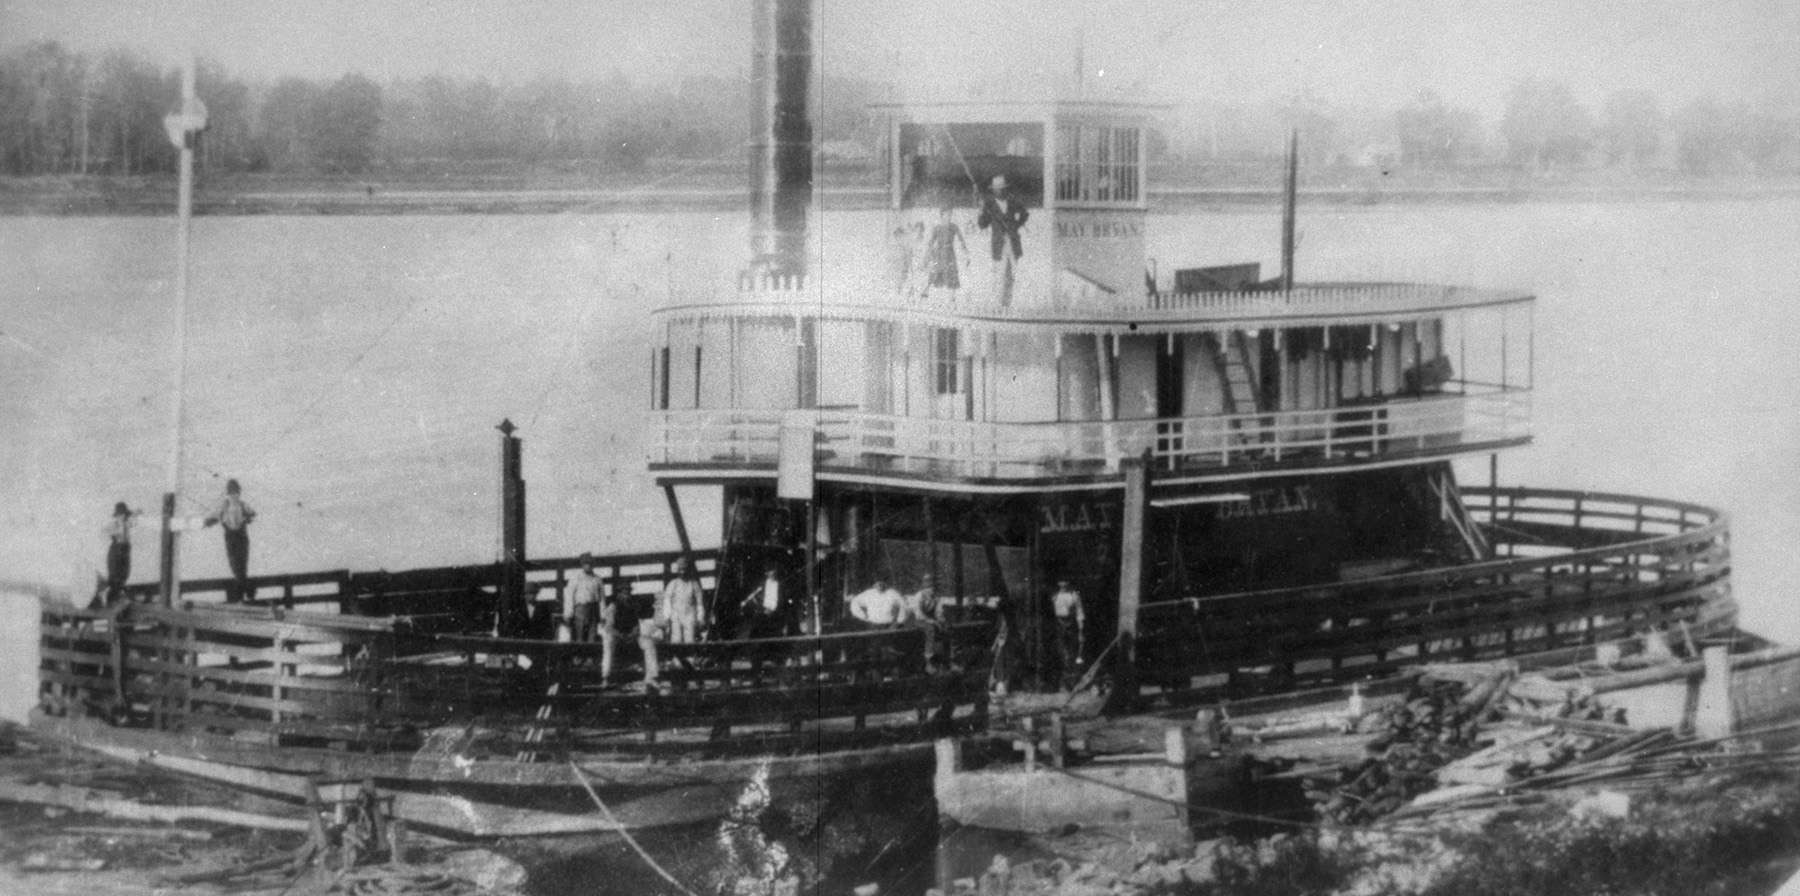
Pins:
x,y
781,143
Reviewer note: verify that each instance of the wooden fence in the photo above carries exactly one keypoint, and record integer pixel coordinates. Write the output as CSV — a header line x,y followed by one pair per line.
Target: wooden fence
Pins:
x,y
343,676
1570,569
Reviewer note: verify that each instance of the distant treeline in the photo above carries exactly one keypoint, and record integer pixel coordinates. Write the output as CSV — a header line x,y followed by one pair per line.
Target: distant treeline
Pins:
x,y
63,113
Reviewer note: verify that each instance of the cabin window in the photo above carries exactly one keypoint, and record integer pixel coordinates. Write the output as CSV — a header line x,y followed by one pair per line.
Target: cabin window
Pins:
x,y
1097,164
945,361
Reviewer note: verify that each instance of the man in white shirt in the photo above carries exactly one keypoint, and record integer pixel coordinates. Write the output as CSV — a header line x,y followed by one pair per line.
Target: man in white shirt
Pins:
x,y
878,605
763,613
235,517
679,605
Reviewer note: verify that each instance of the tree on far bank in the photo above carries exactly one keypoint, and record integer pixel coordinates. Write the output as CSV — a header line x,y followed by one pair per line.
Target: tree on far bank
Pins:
x,y
346,125
1544,126
1704,144
1632,129
282,125
229,140
1434,134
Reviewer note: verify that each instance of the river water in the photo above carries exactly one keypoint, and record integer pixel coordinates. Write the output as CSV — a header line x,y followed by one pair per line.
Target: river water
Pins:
x,y
350,371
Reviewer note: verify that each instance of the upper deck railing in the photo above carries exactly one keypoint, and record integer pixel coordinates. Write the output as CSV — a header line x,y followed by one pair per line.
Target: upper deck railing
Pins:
x,y
870,298
1473,418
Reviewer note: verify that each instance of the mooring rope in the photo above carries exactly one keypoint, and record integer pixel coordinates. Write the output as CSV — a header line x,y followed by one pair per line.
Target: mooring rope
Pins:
x,y
629,840
1183,804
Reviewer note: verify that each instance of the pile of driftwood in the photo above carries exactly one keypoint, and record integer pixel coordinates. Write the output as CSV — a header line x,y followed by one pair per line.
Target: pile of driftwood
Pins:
x,y
351,846
1463,735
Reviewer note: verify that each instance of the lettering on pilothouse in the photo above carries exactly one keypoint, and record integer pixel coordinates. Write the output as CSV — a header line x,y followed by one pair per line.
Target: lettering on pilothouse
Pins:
x,y
1099,230
1054,518
1271,502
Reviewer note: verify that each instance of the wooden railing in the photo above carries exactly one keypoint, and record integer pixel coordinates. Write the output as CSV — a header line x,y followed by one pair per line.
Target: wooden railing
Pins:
x,y
433,591
265,674
1574,569
1471,419
850,296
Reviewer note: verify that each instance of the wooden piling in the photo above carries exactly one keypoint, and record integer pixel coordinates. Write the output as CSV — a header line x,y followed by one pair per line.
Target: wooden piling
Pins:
x,y
1131,582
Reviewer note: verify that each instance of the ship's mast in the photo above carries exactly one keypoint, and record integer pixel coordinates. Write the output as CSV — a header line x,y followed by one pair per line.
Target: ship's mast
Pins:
x,y
183,127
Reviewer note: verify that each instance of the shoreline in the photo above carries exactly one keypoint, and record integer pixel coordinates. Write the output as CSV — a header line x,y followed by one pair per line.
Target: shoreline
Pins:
x,y
155,196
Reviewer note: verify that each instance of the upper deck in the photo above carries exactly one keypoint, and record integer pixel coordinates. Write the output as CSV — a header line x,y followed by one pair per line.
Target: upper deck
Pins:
x,y
1002,328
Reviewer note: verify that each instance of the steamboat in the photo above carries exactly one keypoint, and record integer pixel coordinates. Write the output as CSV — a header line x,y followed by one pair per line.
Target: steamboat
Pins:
x,y
1251,485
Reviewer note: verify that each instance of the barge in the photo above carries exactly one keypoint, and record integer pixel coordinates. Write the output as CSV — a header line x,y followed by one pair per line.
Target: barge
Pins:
x,y
1248,484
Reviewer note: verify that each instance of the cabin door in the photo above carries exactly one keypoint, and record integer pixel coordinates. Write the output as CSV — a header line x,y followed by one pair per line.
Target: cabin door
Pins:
x,y
951,372
1169,395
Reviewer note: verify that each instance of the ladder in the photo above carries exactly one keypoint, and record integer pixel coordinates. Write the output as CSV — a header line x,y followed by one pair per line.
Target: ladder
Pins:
x,y
1235,372
1238,382
1451,507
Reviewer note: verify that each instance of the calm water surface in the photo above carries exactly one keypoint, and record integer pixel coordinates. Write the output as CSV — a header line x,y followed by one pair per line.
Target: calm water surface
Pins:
x,y
351,370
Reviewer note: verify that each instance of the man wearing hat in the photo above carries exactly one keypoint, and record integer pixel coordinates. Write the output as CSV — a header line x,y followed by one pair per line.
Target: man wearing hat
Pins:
x,y
1002,215
583,601
1065,605
118,552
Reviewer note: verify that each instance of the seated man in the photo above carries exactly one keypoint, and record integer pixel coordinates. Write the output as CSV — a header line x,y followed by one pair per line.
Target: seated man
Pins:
x,y
652,631
925,611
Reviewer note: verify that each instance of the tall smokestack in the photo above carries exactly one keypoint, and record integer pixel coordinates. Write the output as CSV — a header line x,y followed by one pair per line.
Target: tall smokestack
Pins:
x,y
781,150
1290,199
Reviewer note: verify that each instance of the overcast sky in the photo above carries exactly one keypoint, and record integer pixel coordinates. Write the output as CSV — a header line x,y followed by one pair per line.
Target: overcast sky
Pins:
x,y
1358,52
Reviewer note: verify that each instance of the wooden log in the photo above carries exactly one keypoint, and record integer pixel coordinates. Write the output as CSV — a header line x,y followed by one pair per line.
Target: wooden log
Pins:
x,y
187,834
82,799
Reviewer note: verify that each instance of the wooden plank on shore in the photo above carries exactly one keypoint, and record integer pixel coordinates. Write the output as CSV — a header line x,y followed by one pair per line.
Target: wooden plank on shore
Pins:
x,y
81,799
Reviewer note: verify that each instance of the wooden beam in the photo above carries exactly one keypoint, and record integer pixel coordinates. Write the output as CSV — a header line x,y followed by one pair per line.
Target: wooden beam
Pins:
x,y
1131,581
681,532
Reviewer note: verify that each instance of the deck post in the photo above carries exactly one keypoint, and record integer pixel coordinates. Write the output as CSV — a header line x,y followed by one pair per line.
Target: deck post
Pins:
x,y
512,527
1713,715
169,589
1131,581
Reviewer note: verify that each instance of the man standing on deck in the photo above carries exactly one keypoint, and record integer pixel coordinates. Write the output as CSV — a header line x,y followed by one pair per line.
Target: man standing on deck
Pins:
x,y
614,608
680,602
1002,215
583,601
878,606
235,516
1070,622
764,612
118,552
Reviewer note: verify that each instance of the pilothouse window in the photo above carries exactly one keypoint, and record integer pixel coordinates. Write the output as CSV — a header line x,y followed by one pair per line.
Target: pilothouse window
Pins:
x,y
952,164
1096,164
